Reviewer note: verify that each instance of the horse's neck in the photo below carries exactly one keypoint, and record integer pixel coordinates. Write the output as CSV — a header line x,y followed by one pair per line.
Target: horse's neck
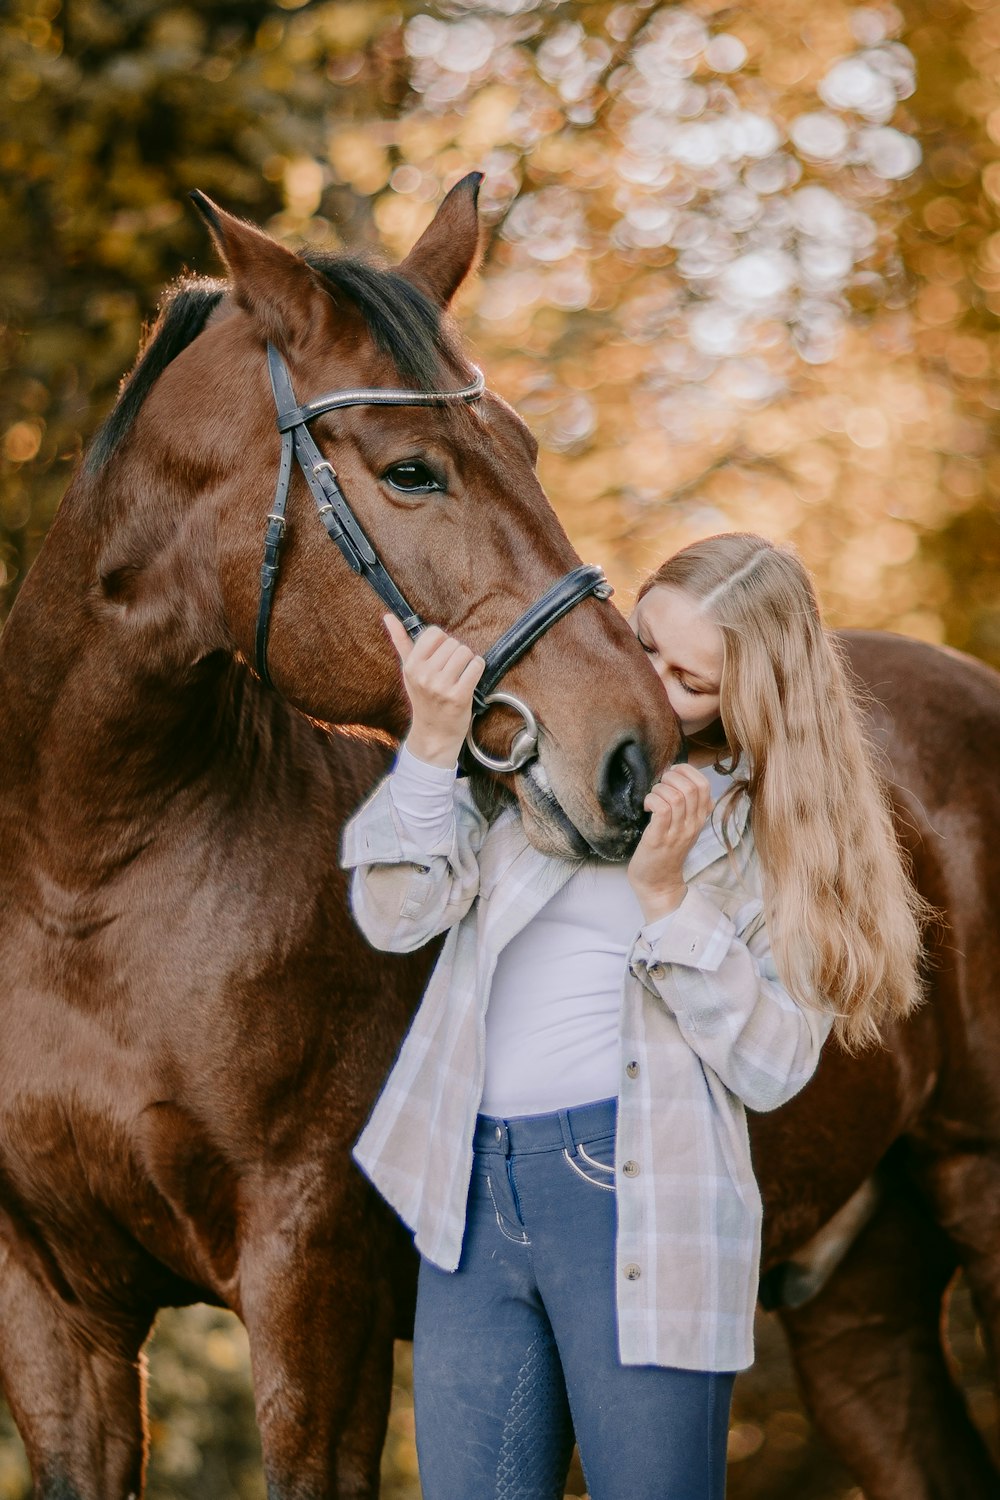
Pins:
x,y
109,732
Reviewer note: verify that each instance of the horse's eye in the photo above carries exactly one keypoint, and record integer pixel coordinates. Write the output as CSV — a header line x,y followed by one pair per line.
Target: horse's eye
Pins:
x,y
412,477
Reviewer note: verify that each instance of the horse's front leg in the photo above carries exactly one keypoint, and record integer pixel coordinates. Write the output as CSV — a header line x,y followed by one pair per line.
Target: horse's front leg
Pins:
x,y
869,1354
320,1306
75,1382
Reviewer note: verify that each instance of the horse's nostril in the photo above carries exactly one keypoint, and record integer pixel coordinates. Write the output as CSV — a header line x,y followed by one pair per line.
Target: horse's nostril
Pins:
x,y
626,781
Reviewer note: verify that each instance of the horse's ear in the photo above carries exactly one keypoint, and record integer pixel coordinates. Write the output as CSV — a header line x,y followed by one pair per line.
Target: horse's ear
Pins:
x,y
271,283
449,247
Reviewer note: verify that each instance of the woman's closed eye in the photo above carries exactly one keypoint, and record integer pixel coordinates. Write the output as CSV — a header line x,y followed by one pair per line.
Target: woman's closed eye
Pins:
x,y
693,690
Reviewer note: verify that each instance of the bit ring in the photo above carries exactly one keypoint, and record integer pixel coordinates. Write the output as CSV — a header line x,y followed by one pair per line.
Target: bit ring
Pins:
x,y
524,746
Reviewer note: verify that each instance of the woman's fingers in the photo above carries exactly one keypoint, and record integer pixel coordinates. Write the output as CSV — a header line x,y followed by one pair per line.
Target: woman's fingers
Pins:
x,y
430,647
453,666
679,802
677,798
472,672
660,800
428,644
435,663
684,776
441,671
686,787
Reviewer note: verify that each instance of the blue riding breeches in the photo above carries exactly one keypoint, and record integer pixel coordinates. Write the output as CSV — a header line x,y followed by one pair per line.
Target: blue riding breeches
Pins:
x,y
518,1348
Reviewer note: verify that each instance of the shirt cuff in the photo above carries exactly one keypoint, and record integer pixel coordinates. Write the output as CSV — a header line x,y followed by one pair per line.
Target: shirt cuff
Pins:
x,y
417,772
697,935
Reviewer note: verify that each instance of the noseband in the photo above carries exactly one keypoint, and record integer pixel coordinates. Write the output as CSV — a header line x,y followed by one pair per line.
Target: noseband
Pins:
x,y
344,529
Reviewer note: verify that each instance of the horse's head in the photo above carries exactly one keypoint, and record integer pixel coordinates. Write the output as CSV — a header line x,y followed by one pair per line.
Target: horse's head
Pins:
x,y
447,493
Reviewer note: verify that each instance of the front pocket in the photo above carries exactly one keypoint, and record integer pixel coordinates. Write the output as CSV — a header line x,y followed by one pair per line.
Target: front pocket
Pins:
x,y
586,1162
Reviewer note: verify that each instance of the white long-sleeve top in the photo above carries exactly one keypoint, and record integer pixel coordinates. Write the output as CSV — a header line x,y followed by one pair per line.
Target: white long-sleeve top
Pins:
x,y
554,1015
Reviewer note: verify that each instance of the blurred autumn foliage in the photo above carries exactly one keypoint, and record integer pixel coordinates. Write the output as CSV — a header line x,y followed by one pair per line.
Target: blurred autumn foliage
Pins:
x,y
743,271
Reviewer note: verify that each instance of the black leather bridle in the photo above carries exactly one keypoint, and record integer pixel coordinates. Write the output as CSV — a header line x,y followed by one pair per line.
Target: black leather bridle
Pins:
x,y
345,531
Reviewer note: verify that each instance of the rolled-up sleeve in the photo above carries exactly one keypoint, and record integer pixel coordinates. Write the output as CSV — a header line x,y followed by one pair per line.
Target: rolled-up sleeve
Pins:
x,y
717,976
412,879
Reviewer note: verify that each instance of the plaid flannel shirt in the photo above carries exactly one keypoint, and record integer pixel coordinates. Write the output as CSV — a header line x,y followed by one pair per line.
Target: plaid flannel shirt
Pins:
x,y
706,1029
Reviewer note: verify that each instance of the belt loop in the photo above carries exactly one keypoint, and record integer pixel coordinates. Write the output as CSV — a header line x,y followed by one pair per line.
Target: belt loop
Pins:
x,y
567,1133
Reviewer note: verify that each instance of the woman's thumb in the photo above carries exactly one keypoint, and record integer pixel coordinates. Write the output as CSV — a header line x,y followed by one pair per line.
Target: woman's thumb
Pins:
x,y
398,636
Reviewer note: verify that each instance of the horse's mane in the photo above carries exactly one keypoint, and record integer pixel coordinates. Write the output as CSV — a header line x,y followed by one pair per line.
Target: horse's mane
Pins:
x,y
404,324
183,314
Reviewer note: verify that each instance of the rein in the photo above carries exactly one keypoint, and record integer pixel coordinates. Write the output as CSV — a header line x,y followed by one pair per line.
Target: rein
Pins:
x,y
346,532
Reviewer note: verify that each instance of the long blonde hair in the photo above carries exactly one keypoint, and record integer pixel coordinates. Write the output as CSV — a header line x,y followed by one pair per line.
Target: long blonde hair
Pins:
x,y
843,917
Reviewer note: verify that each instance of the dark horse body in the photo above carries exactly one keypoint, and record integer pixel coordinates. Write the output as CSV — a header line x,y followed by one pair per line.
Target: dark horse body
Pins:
x,y
191,1030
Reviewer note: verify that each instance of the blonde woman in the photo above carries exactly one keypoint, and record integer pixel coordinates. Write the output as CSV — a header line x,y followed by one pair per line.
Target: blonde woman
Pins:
x,y
565,1126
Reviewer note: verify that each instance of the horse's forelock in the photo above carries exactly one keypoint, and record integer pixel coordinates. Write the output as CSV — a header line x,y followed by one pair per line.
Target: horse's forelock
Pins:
x,y
403,322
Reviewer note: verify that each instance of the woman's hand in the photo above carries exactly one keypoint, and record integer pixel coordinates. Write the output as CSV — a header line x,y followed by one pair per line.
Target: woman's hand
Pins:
x,y
679,803
440,676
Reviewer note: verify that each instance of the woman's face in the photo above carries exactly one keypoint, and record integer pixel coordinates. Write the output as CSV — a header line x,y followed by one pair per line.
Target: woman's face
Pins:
x,y
687,650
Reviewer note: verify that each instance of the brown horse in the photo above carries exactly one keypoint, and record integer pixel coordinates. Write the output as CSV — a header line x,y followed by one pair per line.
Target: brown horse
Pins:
x,y
916,1124
192,1032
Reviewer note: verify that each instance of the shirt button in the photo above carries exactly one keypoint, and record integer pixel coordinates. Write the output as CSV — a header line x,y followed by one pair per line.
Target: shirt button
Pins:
x,y
657,970
632,1069
631,1272
631,1169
